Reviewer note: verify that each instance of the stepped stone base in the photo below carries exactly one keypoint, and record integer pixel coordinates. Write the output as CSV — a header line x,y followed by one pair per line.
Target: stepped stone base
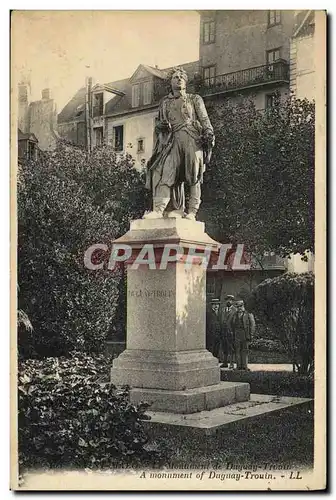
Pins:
x,y
230,417
175,371
192,400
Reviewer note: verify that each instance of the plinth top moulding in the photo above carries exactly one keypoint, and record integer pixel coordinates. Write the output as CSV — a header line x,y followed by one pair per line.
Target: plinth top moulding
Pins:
x,y
159,232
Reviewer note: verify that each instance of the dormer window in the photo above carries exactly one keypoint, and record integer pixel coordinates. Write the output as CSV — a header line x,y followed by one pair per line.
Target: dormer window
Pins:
x,y
79,110
147,92
98,104
136,96
142,94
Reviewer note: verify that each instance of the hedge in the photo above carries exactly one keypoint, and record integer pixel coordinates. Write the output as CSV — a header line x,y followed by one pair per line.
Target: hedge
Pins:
x,y
273,382
67,202
69,418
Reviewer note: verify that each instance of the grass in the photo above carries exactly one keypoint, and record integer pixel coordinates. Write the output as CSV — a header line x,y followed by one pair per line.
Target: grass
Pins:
x,y
284,438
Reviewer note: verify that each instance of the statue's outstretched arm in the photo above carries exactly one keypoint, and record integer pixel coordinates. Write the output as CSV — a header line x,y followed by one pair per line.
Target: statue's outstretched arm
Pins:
x,y
202,115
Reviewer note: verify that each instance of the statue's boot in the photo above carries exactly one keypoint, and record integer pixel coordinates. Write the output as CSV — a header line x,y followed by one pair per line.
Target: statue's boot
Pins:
x,y
159,205
192,210
194,202
190,216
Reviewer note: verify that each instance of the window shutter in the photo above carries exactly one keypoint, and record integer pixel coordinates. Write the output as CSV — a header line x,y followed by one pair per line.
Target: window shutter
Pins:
x,y
135,96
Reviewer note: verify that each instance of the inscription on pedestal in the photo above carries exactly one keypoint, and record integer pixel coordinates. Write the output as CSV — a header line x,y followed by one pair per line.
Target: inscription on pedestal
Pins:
x,y
148,293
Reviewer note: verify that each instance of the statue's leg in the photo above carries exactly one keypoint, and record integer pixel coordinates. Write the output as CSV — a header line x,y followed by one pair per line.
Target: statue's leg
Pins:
x,y
193,170
160,201
194,201
175,208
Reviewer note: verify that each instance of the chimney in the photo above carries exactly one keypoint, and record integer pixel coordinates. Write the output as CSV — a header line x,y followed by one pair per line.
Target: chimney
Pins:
x,y
46,94
23,93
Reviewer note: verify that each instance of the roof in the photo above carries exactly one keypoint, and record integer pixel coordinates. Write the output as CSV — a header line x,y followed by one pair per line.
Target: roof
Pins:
x,y
70,110
26,136
74,109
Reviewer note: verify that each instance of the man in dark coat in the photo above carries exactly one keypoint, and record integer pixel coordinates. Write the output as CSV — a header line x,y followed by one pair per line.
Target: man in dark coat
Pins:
x,y
226,338
242,325
213,328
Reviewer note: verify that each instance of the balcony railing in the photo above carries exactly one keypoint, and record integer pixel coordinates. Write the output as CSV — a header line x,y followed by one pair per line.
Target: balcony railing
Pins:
x,y
245,78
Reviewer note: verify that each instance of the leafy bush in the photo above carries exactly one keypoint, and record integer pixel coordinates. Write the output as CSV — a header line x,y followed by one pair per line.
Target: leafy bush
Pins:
x,y
262,171
267,345
286,303
68,418
67,201
272,382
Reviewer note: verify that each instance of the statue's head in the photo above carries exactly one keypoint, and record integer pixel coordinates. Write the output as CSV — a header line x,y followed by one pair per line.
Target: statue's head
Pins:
x,y
178,79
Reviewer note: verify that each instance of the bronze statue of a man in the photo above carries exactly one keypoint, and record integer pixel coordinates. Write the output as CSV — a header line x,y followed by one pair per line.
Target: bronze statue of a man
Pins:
x,y
182,150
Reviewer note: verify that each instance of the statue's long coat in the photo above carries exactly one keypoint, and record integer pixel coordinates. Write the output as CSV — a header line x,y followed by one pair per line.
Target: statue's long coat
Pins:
x,y
180,154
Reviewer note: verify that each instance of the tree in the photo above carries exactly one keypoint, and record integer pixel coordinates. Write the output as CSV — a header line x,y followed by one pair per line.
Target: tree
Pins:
x,y
67,201
286,305
259,187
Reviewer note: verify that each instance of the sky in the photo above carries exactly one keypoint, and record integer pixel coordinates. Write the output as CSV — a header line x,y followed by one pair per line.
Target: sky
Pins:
x,y
60,48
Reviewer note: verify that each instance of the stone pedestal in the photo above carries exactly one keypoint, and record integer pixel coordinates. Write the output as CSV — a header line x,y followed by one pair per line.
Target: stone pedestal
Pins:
x,y
165,361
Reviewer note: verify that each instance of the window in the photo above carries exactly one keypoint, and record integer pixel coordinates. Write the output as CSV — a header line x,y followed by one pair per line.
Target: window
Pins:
x,y
141,146
270,101
99,136
98,104
135,96
147,92
274,17
208,32
31,150
273,55
210,284
118,138
209,75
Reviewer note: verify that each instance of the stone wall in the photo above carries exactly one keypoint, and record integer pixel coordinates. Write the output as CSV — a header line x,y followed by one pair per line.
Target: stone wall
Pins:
x,y
242,39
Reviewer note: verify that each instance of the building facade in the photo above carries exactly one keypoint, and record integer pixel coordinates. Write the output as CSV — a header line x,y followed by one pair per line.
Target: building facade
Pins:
x,y
27,146
245,53
38,117
303,57
303,52
121,113
250,54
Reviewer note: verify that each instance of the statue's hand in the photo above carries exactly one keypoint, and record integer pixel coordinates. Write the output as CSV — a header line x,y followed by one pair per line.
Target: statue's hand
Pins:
x,y
208,134
164,126
208,138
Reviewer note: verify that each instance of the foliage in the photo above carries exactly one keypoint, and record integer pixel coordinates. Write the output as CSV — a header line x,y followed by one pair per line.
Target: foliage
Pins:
x,y
262,175
68,418
272,382
24,321
286,303
266,345
67,201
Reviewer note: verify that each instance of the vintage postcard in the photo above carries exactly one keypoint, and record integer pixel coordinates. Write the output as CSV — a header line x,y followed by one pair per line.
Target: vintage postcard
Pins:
x,y
168,185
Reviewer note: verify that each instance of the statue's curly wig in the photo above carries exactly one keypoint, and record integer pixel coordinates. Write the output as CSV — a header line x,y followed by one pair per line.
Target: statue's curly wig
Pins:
x,y
178,69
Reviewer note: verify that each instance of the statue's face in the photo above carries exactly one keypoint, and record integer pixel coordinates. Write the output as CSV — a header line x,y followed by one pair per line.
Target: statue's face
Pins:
x,y
178,82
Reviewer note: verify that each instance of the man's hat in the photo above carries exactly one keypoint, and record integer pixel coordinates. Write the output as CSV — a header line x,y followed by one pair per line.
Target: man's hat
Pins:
x,y
229,297
214,301
239,303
